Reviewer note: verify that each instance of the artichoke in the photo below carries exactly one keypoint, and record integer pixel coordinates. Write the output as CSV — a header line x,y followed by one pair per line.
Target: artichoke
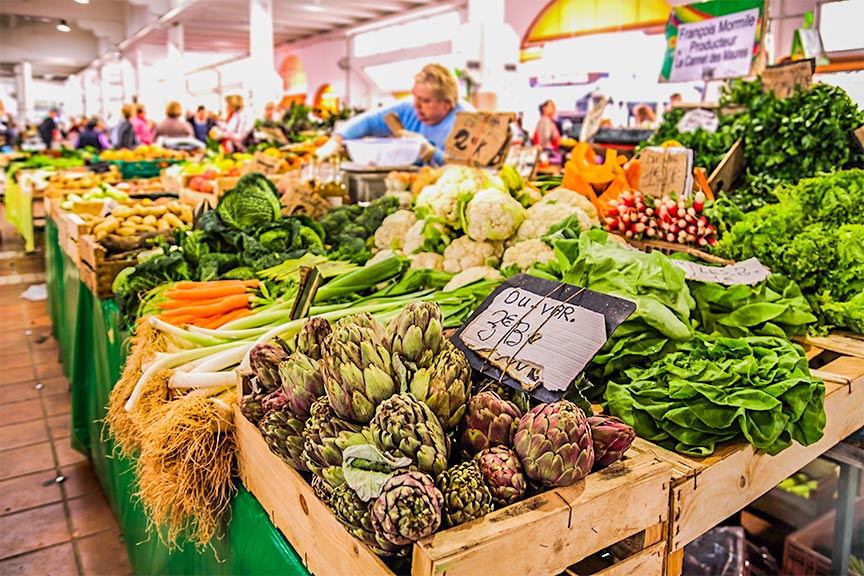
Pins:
x,y
611,438
275,400
466,496
418,337
284,435
554,443
312,336
502,472
445,386
302,382
322,489
508,393
264,360
326,435
354,514
357,368
489,421
404,426
252,407
408,509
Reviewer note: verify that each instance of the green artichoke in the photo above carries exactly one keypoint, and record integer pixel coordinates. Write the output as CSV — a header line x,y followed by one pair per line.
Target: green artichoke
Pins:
x,y
508,393
354,514
302,382
502,472
404,426
264,360
408,509
284,435
312,336
326,435
357,368
445,386
611,438
322,489
553,442
418,338
489,421
252,406
466,496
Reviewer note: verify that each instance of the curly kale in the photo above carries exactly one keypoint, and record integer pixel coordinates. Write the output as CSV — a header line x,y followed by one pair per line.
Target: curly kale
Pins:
x,y
348,230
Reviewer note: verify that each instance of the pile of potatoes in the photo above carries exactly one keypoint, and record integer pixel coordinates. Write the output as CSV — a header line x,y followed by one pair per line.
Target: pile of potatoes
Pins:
x,y
140,218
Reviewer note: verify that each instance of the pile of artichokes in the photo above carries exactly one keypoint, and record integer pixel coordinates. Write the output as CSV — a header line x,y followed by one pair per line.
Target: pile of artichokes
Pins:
x,y
385,421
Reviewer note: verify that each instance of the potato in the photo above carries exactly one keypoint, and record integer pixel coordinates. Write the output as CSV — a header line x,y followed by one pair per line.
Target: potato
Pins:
x,y
145,227
125,231
157,211
149,220
122,212
134,220
109,225
171,221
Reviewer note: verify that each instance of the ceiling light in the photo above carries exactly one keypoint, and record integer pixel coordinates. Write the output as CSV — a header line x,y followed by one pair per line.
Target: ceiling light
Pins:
x,y
82,1
63,26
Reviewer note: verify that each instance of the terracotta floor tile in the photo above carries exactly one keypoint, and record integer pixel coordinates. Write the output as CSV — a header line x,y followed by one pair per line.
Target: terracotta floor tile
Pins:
x,y
104,554
53,561
66,455
28,492
26,460
90,515
20,412
80,480
22,434
15,375
50,370
32,530
60,426
57,404
12,393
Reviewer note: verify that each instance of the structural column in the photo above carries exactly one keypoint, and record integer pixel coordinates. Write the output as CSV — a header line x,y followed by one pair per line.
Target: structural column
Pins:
x,y
491,51
176,48
262,69
24,90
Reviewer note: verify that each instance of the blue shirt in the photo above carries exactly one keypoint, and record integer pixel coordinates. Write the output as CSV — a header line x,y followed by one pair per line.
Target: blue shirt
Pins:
x,y
372,124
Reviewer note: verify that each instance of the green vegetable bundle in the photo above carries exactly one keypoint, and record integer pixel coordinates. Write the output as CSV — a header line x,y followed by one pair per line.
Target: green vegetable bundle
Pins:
x,y
349,230
714,389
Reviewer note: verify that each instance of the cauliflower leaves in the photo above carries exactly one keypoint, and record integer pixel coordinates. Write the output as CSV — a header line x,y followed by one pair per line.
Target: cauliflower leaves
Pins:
x,y
472,275
492,215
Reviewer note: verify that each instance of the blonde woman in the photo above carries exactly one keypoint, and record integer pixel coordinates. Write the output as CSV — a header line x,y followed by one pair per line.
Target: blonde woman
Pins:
x,y
174,126
429,115
236,126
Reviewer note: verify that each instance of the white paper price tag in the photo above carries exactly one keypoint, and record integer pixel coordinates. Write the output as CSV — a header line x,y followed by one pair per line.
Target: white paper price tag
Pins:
x,y
748,272
698,118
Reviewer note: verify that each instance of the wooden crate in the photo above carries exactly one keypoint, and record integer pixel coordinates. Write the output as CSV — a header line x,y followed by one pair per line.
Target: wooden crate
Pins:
x,y
840,343
706,491
550,531
97,272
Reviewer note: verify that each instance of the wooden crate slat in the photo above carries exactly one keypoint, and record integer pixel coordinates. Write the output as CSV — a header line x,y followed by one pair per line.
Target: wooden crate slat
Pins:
x,y
652,560
837,343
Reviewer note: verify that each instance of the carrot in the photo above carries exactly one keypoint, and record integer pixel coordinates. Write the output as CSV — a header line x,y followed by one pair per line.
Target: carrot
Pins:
x,y
205,322
206,293
176,304
239,313
177,320
215,284
227,304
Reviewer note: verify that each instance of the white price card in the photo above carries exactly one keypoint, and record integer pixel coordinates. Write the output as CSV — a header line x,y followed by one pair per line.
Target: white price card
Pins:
x,y
749,272
698,118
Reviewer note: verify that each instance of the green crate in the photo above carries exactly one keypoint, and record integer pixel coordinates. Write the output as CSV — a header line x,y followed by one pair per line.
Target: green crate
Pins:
x,y
142,168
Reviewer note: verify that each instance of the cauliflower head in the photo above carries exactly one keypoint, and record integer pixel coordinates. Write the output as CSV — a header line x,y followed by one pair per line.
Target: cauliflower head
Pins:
x,y
464,253
391,233
569,197
427,261
426,236
442,198
526,253
541,217
492,215
380,256
470,275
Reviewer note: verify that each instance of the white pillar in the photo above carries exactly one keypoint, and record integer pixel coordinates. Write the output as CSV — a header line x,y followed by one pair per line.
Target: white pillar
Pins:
x,y
262,69
24,92
490,48
138,70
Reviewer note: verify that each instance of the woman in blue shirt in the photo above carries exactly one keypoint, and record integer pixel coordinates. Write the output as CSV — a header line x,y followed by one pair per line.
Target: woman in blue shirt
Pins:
x,y
431,115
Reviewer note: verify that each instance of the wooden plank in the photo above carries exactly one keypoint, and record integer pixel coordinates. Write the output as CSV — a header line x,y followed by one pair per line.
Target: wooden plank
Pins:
x,y
729,169
649,561
836,343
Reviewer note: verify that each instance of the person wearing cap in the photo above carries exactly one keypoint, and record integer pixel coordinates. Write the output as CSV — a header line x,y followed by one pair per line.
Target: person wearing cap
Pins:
x,y
430,116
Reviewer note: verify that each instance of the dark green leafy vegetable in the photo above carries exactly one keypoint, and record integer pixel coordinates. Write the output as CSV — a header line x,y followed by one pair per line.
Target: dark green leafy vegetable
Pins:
x,y
253,202
348,230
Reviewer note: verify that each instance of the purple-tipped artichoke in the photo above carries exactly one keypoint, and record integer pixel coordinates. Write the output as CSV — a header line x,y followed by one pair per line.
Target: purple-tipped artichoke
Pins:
x,y
445,386
252,406
354,514
264,360
311,337
553,442
418,338
466,496
489,421
508,393
275,400
326,435
302,383
502,472
357,368
611,438
284,435
322,489
404,426
408,509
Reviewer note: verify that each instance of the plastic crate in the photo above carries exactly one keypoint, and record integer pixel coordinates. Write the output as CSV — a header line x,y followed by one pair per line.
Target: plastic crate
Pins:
x,y
142,168
799,555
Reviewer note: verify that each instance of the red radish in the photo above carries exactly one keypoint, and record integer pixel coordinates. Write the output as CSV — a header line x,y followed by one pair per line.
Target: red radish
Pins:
x,y
703,242
612,211
691,229
629,234
650,232
649,212
639,228
691,212
699,201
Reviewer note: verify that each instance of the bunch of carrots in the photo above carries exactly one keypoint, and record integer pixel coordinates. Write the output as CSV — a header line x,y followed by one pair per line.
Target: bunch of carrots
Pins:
x,y
207,304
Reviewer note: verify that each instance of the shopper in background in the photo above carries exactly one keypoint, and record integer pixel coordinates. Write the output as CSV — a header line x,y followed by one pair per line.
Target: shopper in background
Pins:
x,y
270,113
547,135
126,137
201,123
173,126
429,117
47,128
92,135
143,132
233,131
644,116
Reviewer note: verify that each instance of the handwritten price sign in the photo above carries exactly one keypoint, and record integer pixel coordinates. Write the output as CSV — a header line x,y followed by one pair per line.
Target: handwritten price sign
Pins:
x,y
479,139
748,272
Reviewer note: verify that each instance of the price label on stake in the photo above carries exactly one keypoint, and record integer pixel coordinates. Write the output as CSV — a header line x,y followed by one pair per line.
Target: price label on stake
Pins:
x,y
537,335
698,118
859,136
783,78
748,272
666,170
479,139
265,163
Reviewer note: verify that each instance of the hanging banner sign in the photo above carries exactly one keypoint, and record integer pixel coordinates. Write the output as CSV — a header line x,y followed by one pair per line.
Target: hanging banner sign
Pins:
x,y
712,40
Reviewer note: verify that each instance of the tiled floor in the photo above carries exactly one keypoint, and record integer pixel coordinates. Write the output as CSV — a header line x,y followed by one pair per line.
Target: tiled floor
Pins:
x,y
54,518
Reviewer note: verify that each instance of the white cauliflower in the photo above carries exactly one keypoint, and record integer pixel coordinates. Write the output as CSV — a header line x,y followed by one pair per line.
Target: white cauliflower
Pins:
x,y
493,215
426,236
464,253
526,253
529,196
442,198
391,233
569,197
472,275
540,218
381,255
428,261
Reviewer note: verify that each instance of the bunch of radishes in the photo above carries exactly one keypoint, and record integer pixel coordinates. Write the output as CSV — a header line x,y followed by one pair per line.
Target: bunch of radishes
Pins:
x,y
637,216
